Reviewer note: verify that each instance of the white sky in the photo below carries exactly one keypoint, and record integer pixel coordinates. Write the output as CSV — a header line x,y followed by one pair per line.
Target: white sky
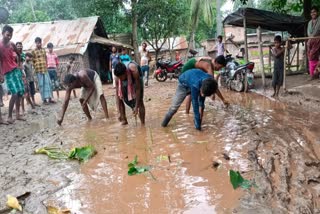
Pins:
x,y
227,6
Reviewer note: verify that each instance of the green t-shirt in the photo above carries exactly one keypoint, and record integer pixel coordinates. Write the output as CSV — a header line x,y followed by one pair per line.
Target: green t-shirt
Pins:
x,y
190,64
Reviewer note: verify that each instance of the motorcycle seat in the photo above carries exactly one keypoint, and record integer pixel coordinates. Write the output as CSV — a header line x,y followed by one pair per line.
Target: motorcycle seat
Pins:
x,y
173,63
241,67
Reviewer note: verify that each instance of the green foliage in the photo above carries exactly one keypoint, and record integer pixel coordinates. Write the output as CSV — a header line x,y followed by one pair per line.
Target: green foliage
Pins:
x,y
52,152
82,154
115,17
134,169
204,30
238,181
160,19
44,10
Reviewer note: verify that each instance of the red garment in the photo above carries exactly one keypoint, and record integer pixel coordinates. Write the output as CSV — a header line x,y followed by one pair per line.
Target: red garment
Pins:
x,y
52,60
131,92
8,58
313,49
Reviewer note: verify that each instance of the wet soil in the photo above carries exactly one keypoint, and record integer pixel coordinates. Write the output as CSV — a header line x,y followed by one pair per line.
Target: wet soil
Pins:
x,y
274,144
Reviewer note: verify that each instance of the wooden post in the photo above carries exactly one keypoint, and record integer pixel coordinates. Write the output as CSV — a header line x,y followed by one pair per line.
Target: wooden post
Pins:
x,y
245,39
298,63
261,56
285,65
269,58
288,58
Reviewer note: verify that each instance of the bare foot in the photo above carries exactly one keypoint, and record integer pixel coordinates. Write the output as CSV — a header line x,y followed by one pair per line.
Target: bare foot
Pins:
x,y
124,122
3,122
20,117
10,121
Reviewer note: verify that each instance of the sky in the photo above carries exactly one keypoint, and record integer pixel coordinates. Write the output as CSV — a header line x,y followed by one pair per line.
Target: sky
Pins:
x,y
227,6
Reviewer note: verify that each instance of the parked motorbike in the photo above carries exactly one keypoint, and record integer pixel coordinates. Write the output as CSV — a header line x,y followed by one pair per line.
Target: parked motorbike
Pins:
x,y
237,77
167,69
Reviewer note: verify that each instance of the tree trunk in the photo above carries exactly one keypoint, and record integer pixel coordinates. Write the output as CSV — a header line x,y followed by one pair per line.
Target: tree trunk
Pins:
x,y
135,32
261,56
32,9
219,21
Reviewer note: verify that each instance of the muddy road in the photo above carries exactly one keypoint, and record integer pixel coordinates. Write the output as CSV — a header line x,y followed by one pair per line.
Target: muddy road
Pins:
x,y
276,145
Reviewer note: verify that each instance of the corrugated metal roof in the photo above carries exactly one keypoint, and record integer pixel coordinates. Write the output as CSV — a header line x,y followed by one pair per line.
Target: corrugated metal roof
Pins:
x,y
104,41
72,35
175,43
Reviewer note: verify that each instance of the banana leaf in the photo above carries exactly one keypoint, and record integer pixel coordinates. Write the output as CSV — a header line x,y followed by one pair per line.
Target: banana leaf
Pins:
x,y
134,169
82,154
238,181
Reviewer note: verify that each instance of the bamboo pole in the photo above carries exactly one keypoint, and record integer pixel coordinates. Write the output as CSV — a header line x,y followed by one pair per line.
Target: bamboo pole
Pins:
x,y
303,38
285,65
298,63
245,39
261,56
269,59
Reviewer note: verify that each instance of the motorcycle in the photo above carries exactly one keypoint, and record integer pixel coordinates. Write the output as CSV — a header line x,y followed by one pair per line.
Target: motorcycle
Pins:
x,y
237,77
167,69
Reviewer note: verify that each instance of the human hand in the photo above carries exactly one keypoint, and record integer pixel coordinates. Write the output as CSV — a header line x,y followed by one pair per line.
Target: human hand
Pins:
x,y
226,103
59,121
135,112
1,78
84,104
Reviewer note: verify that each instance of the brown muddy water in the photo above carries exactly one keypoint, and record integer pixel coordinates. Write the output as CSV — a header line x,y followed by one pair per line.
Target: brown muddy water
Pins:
x,y
271,143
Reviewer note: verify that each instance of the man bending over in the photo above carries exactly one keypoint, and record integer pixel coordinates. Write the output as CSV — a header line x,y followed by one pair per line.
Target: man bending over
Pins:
x,y
91,92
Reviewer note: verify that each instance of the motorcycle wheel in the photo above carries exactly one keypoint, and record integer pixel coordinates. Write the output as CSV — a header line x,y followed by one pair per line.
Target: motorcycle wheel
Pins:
x,y
238,84
162,76
246,86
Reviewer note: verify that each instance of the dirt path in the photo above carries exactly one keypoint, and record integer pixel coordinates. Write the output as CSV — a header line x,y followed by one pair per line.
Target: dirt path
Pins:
x,y
274,144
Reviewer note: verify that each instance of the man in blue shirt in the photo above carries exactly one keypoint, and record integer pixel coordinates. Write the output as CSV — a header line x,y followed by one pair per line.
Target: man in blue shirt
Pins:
x,y
200,85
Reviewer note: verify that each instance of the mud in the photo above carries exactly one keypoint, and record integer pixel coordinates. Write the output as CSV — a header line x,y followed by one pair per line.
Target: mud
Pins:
x,y
271,143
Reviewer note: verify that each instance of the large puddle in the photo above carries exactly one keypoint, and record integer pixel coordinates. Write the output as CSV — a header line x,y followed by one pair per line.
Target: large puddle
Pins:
x,y
182,178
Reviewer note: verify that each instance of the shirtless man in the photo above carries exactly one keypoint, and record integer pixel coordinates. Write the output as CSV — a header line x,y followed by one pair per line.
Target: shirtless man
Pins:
x,y
208,65
129,90
91,92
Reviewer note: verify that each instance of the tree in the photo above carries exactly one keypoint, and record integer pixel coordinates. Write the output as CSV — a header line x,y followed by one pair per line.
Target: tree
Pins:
x,y
158,22
115,16
199,8
294,7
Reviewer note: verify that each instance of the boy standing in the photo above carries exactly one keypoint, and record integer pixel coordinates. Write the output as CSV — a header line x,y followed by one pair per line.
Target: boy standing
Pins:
x,y
278,55
144,63
220,46
200,85
124,57
29,71
52,65
9,64
40,66
114,59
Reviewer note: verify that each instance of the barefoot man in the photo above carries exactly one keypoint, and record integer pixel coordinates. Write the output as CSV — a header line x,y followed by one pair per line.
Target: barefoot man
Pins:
x,y
91,92
9,69
129,90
